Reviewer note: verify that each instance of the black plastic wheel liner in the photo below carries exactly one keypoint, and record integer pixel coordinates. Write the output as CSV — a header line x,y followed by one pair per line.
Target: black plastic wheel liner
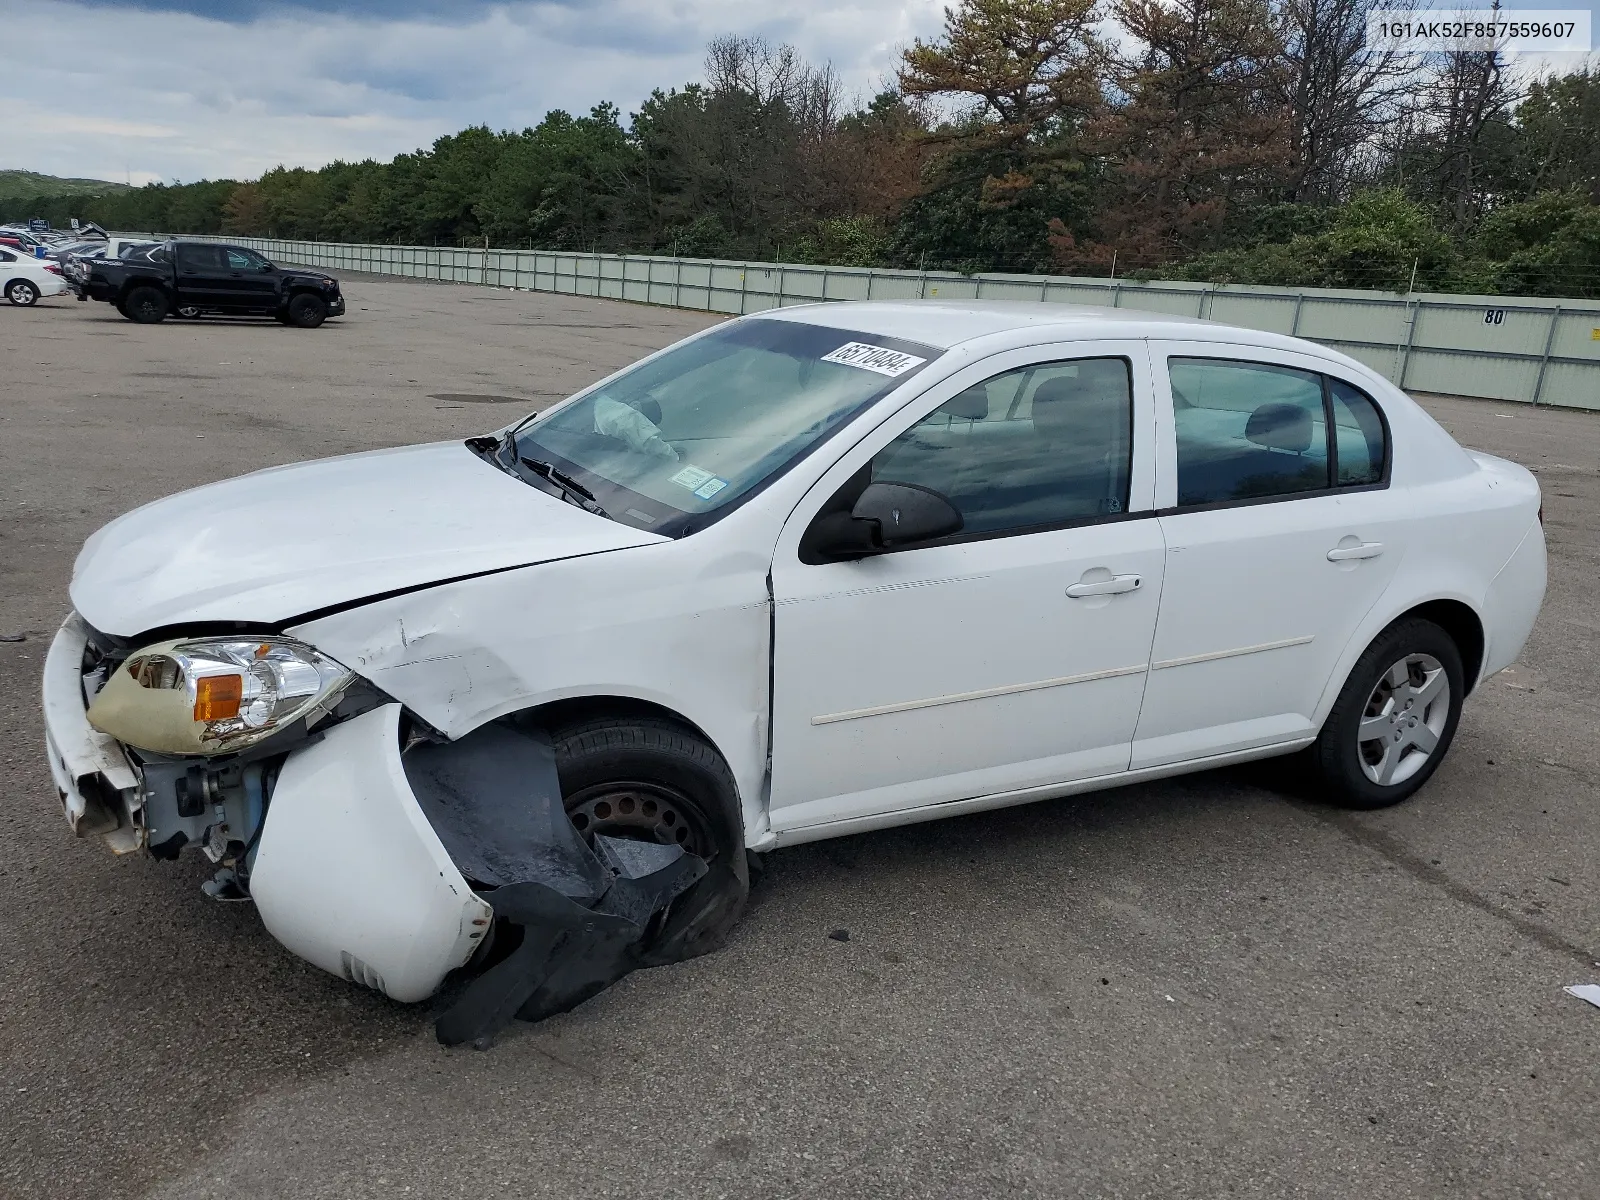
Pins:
x,y
494,798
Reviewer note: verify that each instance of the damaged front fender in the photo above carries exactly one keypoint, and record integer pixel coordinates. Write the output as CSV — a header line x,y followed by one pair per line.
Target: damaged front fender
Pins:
x,y
350,875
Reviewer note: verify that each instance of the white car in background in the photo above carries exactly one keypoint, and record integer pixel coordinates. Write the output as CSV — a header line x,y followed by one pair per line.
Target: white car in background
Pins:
x,y
811,572
24,279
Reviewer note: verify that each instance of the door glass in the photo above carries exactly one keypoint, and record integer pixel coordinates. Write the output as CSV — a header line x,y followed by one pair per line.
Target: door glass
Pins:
x,y
1036,447
197,258
1246,431
1358,435
243,260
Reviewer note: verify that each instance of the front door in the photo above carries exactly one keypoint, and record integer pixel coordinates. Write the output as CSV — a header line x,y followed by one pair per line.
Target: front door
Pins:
x,y
1281,536
1008,656
248,278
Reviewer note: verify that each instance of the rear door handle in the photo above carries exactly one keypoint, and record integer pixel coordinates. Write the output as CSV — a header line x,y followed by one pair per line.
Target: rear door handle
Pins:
x,y
1116,585
1364,550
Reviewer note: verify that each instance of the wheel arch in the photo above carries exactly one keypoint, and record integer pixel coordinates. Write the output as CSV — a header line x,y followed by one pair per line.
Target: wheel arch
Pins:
x,y
1465,627
570,709
1456,616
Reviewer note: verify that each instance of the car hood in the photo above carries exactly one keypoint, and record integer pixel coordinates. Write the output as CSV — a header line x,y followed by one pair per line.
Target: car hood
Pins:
x,y
293,540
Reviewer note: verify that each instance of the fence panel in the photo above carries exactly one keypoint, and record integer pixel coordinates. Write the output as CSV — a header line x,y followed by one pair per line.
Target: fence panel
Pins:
x,y
1513,348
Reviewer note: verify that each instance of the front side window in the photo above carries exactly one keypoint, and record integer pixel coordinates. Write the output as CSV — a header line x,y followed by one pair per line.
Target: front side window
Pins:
x,y
1247,431
694,431
1040,446
244,260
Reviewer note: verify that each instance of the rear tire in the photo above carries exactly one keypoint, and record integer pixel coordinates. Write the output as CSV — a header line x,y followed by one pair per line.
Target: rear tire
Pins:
x,y
146,305
23,293
1395,719
307,311
655,780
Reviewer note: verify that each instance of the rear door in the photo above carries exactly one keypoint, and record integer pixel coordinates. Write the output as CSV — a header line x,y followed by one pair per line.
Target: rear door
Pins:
x,y
1008,656
199,275
1282,532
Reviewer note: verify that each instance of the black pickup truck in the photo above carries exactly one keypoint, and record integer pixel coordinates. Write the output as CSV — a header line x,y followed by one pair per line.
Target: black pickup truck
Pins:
x,y
191,279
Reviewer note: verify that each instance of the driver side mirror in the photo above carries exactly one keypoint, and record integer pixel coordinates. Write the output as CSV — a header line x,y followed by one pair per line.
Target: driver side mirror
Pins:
x,y
887,516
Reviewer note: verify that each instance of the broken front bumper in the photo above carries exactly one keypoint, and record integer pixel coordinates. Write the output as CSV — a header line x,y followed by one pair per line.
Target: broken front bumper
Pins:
x,y
97,783
350,875
347,872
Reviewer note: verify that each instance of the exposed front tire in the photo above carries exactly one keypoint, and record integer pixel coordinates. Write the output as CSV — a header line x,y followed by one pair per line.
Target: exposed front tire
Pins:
x,y
307,311
146,305
655,780
1393,722
22,293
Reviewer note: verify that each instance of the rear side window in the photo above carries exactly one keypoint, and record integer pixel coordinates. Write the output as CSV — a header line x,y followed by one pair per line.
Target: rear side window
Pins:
x,y
1257,431
198,258
1247,431
1360,447
7,256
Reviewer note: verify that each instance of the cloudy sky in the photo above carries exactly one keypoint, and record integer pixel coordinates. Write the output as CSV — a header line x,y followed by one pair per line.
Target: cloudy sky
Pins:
x,y
188,89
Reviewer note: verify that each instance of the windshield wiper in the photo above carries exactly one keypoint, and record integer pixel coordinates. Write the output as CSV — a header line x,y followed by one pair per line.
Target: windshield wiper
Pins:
x,y
570,487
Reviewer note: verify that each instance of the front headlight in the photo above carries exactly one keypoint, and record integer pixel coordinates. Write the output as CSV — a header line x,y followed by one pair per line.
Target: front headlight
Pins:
x,y
215,695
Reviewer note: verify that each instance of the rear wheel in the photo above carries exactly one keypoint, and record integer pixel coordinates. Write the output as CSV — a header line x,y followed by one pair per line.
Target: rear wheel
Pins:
x,y
22,293
1393,722
654,780
307,311
146,305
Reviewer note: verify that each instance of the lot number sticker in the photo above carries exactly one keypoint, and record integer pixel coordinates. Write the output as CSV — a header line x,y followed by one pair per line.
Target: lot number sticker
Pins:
x,y
691,477
874,358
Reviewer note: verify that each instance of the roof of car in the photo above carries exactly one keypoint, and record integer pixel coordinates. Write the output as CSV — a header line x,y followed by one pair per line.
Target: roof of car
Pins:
x,y
948,323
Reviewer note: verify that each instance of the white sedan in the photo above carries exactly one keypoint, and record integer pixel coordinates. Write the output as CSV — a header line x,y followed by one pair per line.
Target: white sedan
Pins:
x,y
24,279
810,572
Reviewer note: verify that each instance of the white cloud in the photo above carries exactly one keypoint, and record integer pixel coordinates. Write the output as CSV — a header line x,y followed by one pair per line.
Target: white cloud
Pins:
x,y
171,95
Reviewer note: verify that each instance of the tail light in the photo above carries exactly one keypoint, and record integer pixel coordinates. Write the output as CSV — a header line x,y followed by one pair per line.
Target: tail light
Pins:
x,y
53,268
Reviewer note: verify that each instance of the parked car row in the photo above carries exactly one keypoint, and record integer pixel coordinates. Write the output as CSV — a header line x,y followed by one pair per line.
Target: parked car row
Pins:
x,y
148,281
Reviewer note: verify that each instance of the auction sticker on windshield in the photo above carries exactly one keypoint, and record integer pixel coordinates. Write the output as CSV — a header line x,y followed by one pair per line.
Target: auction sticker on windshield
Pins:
x,y
874,358
691,477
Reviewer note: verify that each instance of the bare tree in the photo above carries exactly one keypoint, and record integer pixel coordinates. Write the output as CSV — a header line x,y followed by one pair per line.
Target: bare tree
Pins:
x,y
775,75
1341,92
1470,93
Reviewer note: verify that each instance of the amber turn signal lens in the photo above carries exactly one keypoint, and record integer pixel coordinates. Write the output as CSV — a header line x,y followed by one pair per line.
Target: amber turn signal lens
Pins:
x,y
217,697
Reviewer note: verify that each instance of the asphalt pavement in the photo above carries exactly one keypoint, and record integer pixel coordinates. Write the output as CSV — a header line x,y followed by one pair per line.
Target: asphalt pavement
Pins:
x,y
1204,987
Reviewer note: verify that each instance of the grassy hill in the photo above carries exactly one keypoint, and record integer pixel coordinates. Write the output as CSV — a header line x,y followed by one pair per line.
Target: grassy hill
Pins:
x,y
25,185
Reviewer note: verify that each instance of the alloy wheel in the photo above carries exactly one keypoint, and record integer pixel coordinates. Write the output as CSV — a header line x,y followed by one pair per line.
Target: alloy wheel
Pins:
x,y
1404,719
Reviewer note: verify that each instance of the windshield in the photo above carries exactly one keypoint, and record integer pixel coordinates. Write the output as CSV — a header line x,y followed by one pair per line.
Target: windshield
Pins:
x,y
685,437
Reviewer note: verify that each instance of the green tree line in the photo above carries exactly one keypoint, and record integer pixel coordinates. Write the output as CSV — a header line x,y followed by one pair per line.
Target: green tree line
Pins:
x,y
1252,141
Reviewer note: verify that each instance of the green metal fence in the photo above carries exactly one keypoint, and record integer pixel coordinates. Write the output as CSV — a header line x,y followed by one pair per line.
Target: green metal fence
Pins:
x,y
1529,350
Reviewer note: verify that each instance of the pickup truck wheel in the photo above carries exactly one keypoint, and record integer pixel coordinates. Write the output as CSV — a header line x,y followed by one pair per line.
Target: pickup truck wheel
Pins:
x,y
146,305
307,311
654,780
22,293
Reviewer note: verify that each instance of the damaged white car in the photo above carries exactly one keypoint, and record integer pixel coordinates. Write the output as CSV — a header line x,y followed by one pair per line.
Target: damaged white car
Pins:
x,y
518,707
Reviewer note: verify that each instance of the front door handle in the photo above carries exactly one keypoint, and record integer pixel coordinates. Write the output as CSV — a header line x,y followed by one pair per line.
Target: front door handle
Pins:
x,y
1364,550
1114,586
